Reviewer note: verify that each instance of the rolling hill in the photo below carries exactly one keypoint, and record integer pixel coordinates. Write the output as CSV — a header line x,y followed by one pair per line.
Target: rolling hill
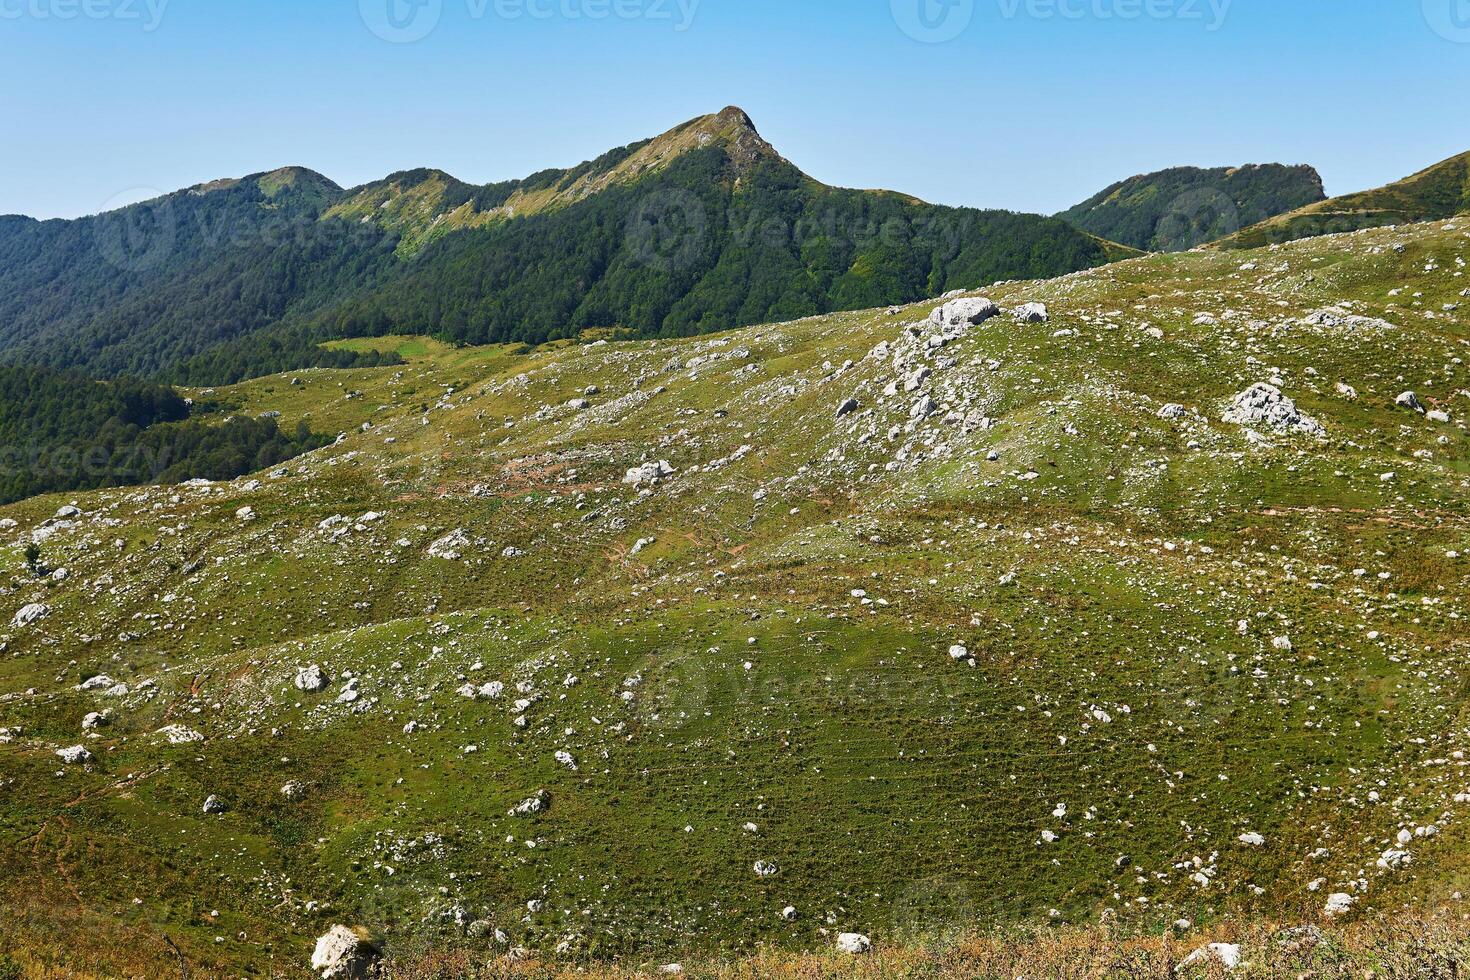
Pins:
x,y
1441,191
703,228
1133,600
1177,209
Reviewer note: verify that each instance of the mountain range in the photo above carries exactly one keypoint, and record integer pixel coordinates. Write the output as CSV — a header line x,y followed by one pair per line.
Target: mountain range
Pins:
x,y
703,228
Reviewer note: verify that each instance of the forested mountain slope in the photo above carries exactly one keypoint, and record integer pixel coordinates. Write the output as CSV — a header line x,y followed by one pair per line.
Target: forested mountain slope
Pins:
x,y
1175,210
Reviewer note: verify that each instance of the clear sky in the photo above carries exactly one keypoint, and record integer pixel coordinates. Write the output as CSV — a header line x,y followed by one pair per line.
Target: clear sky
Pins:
x,y
1025,104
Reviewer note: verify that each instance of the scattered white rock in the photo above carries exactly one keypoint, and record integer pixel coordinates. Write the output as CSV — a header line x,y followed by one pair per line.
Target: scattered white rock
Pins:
x,y
179,735
1227,955
451,547
1264,405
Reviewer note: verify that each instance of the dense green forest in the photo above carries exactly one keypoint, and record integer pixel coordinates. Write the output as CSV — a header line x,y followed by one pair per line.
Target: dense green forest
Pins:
x,y
1177,209
691,250
139,290
62,431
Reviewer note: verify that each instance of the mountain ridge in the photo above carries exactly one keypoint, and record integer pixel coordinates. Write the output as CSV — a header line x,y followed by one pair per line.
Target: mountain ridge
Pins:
x,y
701,228
1178,208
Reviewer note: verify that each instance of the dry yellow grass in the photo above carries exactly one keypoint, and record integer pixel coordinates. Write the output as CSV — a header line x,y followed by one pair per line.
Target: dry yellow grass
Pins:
x,y
1433,946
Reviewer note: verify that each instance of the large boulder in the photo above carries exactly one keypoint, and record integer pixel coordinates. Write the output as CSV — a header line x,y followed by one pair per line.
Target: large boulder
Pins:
x,y
853,943
28,614
962,313
1031,313
311,678
342,954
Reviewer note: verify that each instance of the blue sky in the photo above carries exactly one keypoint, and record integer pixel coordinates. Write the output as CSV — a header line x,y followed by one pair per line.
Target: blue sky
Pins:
x,y
1026,104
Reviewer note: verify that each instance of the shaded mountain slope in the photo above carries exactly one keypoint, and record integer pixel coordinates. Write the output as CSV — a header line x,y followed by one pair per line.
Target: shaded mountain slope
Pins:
x,y
1175,210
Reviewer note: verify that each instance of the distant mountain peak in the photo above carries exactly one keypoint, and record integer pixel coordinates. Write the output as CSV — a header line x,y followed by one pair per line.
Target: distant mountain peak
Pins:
x,y
423,204
736,115
730,128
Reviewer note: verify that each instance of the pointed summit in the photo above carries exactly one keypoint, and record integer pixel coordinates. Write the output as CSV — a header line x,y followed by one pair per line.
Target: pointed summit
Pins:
x,y
731,128
736,116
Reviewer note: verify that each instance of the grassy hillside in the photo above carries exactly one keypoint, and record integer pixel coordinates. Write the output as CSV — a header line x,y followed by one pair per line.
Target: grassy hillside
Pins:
x,y
1210,670
1175,210
1441,191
